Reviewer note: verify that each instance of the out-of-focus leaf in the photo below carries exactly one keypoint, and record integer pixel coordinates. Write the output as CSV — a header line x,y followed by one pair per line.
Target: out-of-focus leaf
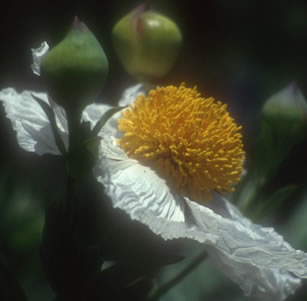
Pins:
x,y
204,283
274,201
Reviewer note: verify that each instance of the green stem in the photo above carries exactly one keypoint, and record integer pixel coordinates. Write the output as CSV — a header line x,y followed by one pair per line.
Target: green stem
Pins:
x,y
70,208
74,121
185,272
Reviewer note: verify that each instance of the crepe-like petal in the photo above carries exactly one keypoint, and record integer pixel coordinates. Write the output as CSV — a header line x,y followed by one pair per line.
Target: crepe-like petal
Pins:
x,y
37,55
133,188
30,122
93,113
247,242
34,133
131,93
255,257
259,283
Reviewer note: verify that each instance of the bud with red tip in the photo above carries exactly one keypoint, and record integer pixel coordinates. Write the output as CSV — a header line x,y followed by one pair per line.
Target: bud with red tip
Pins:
x,y
147,43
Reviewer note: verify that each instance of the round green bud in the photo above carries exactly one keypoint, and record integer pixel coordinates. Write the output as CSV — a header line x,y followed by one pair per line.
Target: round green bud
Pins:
x,y
286,112
147,43
76,68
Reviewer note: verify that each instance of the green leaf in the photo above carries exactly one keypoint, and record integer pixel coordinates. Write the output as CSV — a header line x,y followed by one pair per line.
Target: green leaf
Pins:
x,y
275,201
264,150
104,118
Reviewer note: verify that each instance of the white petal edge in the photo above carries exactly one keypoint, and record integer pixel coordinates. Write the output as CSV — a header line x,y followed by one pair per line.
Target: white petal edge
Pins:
x,y
38,54
130,94
94,112
239,246
30,122
257,263
259,284
142,200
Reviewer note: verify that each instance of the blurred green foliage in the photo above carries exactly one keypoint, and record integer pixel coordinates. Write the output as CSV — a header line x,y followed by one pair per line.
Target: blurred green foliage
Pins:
x,y
21,223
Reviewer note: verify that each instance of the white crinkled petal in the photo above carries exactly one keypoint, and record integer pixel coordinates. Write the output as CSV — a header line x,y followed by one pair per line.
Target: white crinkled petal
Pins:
x,y
255,257
37,55
139,191
257,263
131,93
260,284
94,112
30,122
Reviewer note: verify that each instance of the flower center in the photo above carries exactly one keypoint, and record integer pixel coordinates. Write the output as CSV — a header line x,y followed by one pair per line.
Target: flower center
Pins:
x,y
190,141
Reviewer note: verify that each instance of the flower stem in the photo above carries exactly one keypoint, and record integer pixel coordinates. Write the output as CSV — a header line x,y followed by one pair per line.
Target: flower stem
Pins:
x,y
70,208
173,282
73,120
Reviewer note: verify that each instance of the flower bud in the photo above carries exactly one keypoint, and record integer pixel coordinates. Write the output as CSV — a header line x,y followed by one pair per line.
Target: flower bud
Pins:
x,y
75,69
286,112
147,43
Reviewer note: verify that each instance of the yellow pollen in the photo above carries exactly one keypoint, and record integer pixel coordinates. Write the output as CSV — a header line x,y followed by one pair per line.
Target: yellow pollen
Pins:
x,y
190,141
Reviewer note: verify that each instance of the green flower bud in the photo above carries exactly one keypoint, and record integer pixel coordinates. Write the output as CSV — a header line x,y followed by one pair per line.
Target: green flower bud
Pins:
x,y
286,112
76,68
147,43
283,126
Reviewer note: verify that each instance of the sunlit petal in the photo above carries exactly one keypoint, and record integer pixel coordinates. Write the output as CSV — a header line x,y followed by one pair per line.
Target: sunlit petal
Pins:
x,y
257,258
93,112
30,122
37,55
130,94
139,191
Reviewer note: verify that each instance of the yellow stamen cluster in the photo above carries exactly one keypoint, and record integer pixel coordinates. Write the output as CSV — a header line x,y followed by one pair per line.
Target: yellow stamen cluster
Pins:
x,y
190,141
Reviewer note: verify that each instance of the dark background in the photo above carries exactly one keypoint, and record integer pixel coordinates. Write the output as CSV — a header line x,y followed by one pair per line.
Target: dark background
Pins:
x,y
239,51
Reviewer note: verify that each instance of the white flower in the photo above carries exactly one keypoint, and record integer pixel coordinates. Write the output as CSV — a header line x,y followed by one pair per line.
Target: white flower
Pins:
x,y
34,133
257,258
